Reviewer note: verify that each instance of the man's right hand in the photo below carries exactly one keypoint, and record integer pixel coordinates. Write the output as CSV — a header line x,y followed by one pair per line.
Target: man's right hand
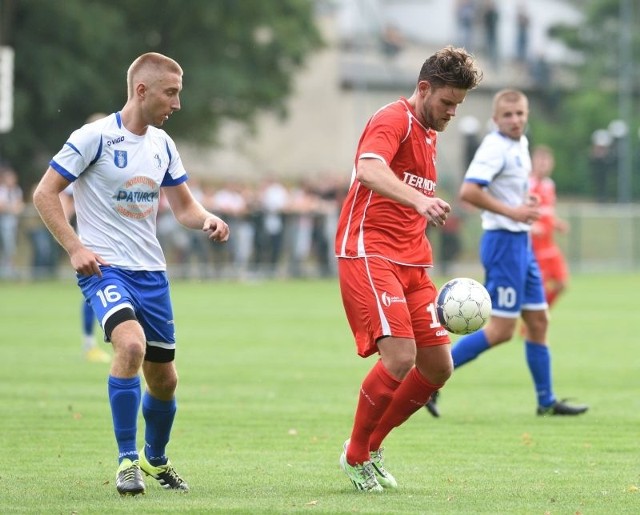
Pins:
x,y
87,262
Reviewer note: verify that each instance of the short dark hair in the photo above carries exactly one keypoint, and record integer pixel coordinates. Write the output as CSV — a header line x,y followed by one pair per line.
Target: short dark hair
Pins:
x,y
454,67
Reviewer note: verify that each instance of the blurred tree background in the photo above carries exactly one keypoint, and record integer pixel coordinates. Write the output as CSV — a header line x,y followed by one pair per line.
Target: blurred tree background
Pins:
x,y
240,57
591,100
71,59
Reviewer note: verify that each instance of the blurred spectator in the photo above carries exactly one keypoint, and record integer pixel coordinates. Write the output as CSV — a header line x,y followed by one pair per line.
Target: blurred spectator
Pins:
x,y
470,128
450,241
174,238
392,40
331,194
490,18
245,232
11,206
273,199
232,202
523,22
303,203
542,77
465,21
45,251
199,245
601,162
540,71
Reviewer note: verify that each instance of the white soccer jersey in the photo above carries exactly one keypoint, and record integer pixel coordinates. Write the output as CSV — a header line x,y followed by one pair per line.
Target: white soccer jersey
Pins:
x,y
502,165
117,177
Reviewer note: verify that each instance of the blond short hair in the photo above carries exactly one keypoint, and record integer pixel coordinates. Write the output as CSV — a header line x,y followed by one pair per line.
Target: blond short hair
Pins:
x,y
148,66
508,95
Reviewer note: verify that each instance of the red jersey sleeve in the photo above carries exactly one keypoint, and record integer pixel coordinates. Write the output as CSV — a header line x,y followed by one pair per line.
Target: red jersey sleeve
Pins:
x,y
383,134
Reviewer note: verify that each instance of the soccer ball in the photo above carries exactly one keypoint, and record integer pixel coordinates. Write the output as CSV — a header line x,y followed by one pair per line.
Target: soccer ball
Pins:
x,y
463,305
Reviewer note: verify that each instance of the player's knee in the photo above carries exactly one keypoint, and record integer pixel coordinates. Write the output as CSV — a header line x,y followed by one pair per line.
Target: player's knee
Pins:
x,y
162,386
398,355
445,373
537,333
499,333
537,326
439,373
131,349
399,366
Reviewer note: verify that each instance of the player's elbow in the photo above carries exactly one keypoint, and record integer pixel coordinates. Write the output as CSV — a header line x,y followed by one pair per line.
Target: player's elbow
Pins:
x,y
470,192
464,194
363,175
367,170
38,197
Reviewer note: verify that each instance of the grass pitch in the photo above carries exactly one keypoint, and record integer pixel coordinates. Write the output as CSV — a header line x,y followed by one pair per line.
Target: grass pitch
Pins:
x,y
268,385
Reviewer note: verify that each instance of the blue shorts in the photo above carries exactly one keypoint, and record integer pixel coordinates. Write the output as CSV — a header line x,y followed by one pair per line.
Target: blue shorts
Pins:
x,y
146,293
512,276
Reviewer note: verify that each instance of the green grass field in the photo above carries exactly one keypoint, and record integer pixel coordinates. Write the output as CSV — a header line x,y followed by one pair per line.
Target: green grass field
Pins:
x,y
269,379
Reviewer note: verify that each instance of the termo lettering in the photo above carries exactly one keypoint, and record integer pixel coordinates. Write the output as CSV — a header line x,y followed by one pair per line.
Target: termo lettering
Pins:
x,y
420,183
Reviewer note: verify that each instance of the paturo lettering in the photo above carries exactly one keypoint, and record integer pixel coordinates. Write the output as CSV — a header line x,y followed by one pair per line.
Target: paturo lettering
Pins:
x,y
137,196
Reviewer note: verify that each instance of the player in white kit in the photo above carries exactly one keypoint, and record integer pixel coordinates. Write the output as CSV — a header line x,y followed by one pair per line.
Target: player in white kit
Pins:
x,y
118,165
497,183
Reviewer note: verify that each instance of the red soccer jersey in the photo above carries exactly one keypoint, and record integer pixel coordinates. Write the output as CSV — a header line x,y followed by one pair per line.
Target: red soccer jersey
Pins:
x,y
373,225
542,234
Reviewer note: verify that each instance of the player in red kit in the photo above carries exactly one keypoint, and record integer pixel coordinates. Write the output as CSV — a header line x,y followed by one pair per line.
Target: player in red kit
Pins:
x,y
383,256
553,266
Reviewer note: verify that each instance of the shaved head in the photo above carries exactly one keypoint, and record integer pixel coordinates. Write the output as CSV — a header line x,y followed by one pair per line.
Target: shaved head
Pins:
x,y
148,68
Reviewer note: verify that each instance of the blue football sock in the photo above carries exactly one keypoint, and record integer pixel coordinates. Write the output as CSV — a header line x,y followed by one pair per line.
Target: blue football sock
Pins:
x,y
124,397
539,361
88,319
469,348
158,416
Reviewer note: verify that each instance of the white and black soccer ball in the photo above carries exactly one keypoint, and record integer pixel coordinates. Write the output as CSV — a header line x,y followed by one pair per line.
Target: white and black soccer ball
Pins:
x,y
463,305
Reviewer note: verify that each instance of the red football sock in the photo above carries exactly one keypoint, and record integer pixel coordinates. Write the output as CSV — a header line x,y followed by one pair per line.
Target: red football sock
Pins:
x,y
412,395
376,393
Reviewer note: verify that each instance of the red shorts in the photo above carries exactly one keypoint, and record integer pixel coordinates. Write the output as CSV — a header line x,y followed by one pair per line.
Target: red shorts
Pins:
x,y
553,268
382,298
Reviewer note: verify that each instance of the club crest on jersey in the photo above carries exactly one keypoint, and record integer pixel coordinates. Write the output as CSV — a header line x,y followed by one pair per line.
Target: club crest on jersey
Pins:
x,y
388,299
120,158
